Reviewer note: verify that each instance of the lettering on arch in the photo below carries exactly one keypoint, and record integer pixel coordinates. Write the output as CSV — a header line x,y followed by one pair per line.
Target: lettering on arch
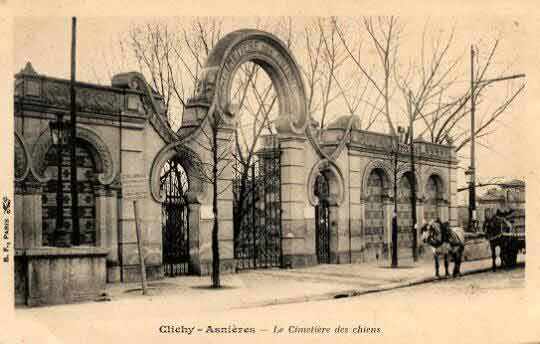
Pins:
x,y
267,51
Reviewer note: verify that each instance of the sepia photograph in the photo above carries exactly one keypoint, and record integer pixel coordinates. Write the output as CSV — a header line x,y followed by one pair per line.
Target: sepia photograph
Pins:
x,y
332,178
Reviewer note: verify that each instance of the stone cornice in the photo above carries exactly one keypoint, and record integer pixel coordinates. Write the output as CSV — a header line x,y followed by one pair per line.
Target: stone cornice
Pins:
x,y
358,149
42,96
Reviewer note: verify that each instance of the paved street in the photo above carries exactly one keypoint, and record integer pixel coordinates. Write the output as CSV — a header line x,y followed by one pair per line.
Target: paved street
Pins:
x,y
478,307
282,286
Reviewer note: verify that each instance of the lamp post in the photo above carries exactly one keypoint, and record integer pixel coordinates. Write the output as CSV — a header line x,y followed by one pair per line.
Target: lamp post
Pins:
x,y
59,137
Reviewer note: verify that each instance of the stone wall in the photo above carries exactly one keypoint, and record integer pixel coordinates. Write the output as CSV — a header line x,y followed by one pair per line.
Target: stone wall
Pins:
x,y
123,133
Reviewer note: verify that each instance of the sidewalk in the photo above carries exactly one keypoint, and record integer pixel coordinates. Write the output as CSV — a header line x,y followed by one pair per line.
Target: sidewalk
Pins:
x,y
257,288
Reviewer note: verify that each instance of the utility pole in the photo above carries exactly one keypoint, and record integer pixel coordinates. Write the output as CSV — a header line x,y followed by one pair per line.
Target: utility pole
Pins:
x,y
472,173
413,184
395,213
472,168
73,159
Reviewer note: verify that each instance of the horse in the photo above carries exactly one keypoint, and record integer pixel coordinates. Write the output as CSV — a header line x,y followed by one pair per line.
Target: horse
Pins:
x,y
494,227
444,241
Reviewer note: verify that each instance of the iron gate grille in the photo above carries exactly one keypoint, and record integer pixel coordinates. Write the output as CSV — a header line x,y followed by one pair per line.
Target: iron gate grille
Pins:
x,y
322,217
175,229
257,212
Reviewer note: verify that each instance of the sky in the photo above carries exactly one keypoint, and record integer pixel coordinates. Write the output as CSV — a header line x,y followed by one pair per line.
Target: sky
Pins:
x,y
46,43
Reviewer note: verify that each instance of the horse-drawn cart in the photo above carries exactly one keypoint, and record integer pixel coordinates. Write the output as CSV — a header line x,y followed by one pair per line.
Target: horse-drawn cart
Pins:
x,y
506,230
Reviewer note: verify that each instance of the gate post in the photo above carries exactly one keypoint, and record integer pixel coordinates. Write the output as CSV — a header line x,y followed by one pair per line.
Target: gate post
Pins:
x,y
294,198
194,219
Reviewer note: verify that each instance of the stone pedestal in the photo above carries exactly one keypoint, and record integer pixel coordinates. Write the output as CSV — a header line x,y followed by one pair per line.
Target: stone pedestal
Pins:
x,y
53,275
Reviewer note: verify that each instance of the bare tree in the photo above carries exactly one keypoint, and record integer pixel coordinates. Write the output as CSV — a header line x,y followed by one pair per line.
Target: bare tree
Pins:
x,y
171,56
209,169
435,79
438,98
384,37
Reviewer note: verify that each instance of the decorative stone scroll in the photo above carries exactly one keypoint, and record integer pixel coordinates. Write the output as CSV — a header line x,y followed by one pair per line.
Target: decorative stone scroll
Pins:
x,y
274,57
102,155
190,163
152,101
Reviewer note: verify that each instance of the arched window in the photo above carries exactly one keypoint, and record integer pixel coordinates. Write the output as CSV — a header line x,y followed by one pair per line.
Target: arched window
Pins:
x,y
86,176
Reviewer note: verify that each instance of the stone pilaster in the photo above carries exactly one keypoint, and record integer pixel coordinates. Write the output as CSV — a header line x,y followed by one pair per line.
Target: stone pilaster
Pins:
x,y
452,196
194,222
388,213
420,219
107,229
31,214
18,206
444,211
356,208
296,249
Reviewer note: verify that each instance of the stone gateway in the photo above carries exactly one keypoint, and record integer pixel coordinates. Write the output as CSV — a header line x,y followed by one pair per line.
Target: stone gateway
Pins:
x,y
335,186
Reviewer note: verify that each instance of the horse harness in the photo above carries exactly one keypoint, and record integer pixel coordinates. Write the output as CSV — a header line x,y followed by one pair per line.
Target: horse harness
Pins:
x,y
502,221
444,236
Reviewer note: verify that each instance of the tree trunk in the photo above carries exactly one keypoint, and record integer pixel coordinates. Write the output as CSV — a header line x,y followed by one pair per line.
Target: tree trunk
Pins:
x,y
215,229
395,214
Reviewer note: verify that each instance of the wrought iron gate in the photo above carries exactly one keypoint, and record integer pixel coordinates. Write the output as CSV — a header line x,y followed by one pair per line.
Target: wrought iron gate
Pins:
x,y
322,218
175,229
257,211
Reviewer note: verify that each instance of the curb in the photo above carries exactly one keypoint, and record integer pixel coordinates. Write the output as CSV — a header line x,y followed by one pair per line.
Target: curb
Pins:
x,y
358,292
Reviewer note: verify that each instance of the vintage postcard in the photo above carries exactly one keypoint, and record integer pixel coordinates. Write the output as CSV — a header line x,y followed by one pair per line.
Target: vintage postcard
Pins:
x,y
311,172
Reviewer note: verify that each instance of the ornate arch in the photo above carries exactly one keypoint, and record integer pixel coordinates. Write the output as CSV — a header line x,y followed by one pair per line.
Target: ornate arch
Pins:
x,y
335,180
22,158
370,167
191,163
271,54
100,152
